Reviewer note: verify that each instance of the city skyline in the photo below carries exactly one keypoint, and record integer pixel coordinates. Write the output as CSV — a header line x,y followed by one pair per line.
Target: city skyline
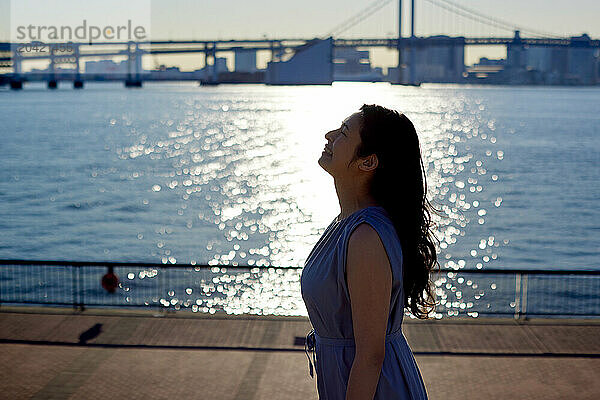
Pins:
x,y
188,19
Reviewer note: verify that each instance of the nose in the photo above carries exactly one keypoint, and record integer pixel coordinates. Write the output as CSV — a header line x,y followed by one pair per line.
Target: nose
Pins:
x,y
329,135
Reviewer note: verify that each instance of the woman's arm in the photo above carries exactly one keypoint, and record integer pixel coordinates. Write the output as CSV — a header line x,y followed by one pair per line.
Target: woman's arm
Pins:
x,y
369,279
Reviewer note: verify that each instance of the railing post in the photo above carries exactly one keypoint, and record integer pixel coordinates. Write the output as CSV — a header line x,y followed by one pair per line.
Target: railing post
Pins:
x,y
161,288
73,287
168,285
524,294
81,290
517,296
158,287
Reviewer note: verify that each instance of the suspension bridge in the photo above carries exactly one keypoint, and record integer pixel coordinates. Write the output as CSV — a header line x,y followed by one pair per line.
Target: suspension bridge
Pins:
x,y
533,56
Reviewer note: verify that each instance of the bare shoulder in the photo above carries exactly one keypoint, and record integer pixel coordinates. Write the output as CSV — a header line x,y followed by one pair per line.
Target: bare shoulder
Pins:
x,y
366,248
364,238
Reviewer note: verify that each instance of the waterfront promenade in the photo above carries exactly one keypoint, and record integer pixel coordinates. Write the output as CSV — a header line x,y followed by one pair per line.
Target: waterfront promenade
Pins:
x,y
119,354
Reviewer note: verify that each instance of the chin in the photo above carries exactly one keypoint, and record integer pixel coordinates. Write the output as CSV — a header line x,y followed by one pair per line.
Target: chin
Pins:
x,y
323,163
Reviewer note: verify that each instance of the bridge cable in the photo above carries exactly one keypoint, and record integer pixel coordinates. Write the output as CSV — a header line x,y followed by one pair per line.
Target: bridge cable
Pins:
x,y
473,18
485,19
358,17
448,5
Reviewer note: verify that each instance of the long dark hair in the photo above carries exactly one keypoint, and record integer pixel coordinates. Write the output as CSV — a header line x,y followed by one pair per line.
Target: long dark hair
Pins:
x,y
400,186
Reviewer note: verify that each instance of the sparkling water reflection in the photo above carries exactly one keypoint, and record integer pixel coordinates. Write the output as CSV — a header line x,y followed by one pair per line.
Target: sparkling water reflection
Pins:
x,y
228,176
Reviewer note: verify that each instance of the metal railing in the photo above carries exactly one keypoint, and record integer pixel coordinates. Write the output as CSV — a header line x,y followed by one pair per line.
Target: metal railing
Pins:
x,y
522,293
276,290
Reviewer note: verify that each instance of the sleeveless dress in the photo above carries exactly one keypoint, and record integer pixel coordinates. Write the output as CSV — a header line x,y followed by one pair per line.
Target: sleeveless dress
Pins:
x,y
327,300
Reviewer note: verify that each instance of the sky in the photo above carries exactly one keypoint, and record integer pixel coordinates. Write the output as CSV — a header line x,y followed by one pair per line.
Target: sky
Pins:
x,y
243,19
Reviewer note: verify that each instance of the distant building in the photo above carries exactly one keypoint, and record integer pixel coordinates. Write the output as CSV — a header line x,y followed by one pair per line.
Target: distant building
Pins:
x,y
221,64
394,74
488,70
575,64
57,70
438,59
164,68
583,59
539,58
245,60
561,65
166,72
106,67
560,61
208,72
350,64
488,62
310,65
545,64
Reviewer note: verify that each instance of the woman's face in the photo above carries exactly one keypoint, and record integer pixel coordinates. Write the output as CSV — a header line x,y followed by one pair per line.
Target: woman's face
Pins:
x,y
341,146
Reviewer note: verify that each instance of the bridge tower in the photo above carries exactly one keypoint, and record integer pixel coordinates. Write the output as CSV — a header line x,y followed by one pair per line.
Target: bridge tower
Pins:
x,y
52,81
410,60
413,53
134,65
78,81
400,50
16,81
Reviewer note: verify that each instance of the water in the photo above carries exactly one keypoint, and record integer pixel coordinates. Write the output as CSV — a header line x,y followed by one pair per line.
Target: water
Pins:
x,y
228,175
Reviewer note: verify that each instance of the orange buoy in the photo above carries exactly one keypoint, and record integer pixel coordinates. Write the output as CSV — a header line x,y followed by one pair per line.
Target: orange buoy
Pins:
x,y
110,281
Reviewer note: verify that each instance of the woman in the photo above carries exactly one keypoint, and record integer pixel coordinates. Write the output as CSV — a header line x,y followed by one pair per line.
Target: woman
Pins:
x,y
373,261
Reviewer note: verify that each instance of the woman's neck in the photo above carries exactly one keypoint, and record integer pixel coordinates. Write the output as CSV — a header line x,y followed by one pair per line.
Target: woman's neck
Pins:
x,y
353,195
348,208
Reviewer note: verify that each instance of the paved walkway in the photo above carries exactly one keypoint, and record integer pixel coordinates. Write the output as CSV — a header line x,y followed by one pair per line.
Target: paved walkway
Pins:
x,y
99,354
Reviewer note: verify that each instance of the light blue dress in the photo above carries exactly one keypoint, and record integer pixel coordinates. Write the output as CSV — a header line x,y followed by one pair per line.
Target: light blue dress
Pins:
x,y
325,294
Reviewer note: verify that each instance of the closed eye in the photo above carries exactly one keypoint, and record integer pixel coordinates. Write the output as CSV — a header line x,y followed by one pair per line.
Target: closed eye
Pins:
x,y
342,130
